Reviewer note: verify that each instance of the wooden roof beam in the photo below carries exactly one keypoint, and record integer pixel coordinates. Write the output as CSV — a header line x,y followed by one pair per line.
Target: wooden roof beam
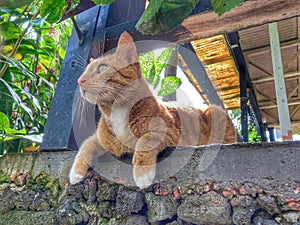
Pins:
x,y
289,75
294,124
298,21
272,106
259,68
293,113
260,49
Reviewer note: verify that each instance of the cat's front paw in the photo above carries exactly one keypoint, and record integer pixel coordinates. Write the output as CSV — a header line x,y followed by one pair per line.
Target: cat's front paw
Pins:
x,y
78,170
144,175
75,177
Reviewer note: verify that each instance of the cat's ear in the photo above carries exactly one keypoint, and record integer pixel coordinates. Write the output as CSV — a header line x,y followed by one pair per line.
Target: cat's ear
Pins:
x,y
127,49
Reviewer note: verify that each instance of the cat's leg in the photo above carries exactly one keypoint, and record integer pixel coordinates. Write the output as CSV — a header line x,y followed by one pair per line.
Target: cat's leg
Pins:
x,y
90,148
144,159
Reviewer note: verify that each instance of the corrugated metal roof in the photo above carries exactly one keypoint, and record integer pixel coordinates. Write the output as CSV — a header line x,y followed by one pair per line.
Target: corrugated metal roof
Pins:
x,y
220,67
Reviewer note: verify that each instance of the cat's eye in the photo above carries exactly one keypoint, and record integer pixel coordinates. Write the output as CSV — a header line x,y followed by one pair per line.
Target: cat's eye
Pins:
x,y
102,68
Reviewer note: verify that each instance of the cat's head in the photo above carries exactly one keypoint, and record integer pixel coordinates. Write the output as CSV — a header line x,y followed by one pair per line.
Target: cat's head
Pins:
x,y
104,77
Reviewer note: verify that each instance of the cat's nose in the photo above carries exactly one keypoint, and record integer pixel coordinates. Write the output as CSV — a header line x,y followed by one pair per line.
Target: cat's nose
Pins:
x,y
80,80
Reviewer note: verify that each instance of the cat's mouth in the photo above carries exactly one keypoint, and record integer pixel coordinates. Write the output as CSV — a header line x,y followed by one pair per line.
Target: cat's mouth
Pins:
x,y
89,96
93,97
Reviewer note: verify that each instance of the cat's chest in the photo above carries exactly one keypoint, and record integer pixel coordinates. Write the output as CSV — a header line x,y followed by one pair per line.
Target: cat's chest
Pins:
x,y
119,120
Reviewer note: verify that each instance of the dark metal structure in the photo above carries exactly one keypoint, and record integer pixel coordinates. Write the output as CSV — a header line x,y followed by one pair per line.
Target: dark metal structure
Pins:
x,y
246,89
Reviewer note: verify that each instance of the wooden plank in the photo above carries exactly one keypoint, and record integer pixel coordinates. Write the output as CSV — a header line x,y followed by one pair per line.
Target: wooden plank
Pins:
x,y
251,51
258,91
290,62
289,75
281,97
272,116
294,124
294,91
298,21
249,14
293,113
272,106
259,68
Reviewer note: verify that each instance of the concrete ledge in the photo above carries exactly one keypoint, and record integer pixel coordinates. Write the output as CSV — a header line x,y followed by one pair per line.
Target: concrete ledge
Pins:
x,y
218,184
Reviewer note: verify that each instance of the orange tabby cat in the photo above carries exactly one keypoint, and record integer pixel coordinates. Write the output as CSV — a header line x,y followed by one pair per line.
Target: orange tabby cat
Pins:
x,y
133,121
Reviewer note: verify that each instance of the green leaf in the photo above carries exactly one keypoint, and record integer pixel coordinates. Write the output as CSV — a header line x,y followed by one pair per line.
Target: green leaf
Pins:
x,y
38,22
30,96
161,16
161,62
49,42
5,98
21,67
169,85
32,137
10,11
14,95
152,67
27,110
13,3
147,64
103,2
7,138
9,30
53,10
20,21
222,6
17,99
4,121
17,64
10,131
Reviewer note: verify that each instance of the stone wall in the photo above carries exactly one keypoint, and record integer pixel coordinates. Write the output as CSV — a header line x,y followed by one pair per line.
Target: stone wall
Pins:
x,y
233,184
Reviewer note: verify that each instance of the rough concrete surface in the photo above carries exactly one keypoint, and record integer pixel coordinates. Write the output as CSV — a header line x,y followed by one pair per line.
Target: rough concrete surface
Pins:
x,y
221,184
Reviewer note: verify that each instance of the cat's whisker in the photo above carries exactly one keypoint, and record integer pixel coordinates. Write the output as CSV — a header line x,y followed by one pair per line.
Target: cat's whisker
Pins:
x,y
114,96
81,62
94,50
81,65
82,108
97,48
80,57
103,95
84,102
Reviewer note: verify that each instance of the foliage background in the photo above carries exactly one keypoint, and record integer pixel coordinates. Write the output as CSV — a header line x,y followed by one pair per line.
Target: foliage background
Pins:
x,y
31,53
